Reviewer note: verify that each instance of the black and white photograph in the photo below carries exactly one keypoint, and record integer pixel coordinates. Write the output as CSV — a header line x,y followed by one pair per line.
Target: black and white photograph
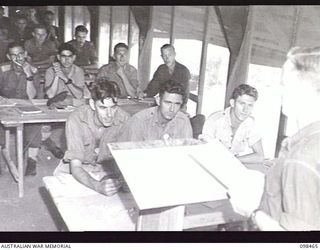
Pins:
x,y
160,118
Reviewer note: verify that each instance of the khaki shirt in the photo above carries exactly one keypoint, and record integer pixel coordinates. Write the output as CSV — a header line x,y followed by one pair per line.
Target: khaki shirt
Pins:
x,y
14,85
218,125
77,87
145,125
83,135
109,71
292,187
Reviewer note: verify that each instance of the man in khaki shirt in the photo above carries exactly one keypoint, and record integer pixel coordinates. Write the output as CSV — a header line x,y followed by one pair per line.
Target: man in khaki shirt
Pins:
x,y
161,122
121,72
88,130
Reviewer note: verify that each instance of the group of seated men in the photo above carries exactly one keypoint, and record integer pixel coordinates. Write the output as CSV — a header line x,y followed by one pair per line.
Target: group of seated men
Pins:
x,y
101,121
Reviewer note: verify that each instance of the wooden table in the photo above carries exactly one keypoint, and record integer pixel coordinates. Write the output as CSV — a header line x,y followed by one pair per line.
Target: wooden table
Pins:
x,y
198,201
165,177
11,118
83,209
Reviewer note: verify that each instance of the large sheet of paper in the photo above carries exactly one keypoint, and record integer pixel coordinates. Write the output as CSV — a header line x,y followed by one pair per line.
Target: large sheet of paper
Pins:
x,y
168,176
175,175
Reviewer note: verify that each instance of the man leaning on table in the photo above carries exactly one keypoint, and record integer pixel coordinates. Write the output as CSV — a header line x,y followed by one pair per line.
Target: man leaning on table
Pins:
x,y
88,130
20,80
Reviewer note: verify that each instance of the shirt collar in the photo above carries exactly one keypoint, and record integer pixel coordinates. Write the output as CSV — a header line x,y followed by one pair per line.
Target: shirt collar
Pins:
x,y
156,121
227,113
88,117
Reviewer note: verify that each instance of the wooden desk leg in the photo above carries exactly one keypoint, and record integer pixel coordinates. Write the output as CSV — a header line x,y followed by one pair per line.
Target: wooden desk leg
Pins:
x,y
161,219
20,157
7,140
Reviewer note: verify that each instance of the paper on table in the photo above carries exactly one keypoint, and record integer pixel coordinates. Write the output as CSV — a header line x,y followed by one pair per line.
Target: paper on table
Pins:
x,y
167,176
243,184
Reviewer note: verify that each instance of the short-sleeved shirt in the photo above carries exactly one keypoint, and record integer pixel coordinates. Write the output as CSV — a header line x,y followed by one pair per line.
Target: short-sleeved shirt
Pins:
x,y
181,74
86,55
109,71
83,135
40,53
145,125
13,85
218,125
77,87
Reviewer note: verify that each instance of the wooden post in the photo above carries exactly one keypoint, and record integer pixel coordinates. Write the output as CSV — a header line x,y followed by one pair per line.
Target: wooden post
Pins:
x,y
111,34
173,10
103,34
203,63
129,33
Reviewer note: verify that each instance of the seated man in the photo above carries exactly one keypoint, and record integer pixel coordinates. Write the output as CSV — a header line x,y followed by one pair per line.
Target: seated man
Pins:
x,y
54,33
235,128
20,32
121,72
292,186
170,70
86,52
162,122
41,52
88,130
64,75
20,80
4,42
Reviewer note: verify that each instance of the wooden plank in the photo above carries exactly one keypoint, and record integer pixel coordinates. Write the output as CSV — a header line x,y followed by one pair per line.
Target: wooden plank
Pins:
x,y
83,209
161,219
210,214
11,166
20,158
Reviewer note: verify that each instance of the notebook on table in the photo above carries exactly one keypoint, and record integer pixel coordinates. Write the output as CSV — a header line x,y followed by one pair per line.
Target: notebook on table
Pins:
x,y
29,110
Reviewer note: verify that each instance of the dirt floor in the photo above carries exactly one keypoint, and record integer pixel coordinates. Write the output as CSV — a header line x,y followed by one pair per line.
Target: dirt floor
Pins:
x,y
34,211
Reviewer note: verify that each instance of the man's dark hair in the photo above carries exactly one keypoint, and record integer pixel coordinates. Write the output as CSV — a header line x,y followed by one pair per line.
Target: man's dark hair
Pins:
x,y
48,12
39,26
173,87
81,28
103,88
166,46
67,46
120,45
15,44
244,89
